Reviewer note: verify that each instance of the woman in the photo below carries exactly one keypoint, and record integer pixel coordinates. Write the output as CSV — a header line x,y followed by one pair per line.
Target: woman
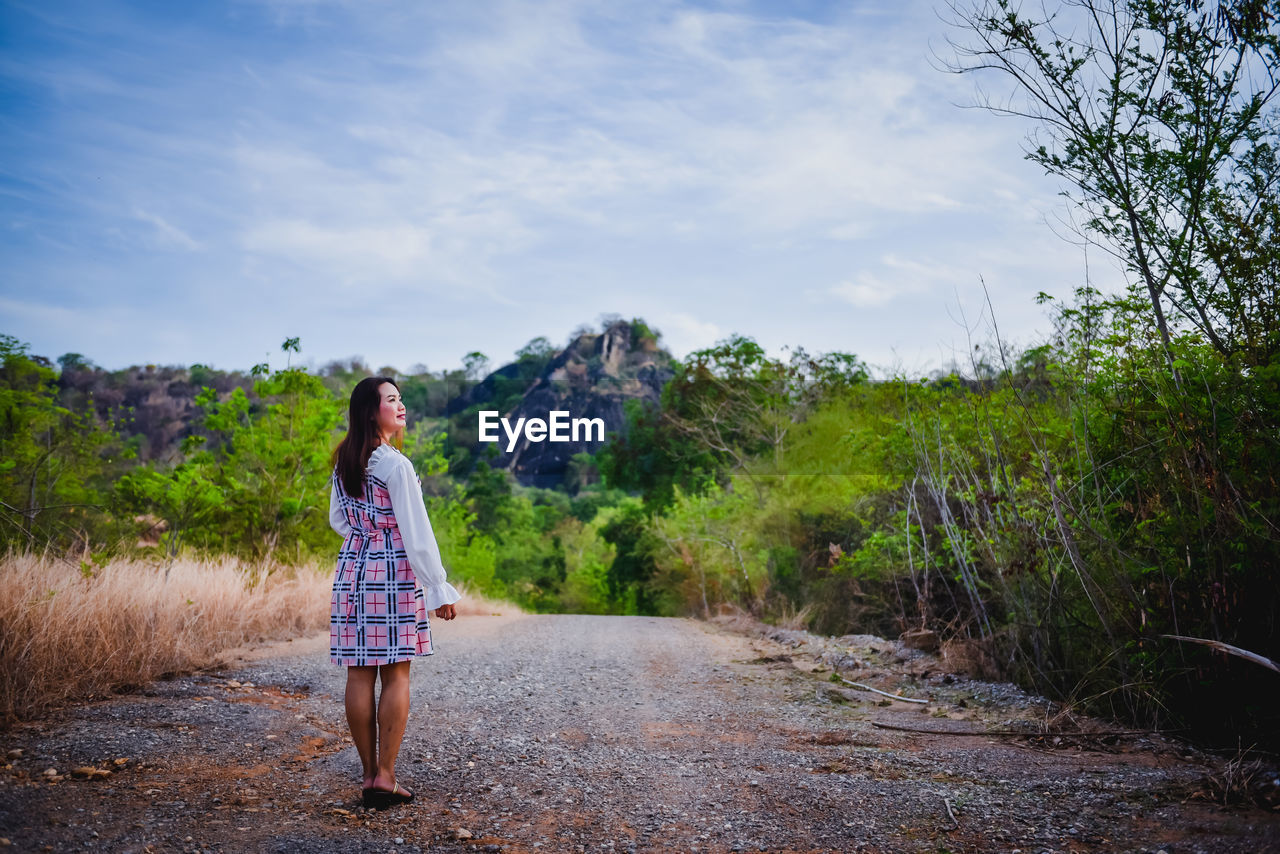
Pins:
x,y
389,577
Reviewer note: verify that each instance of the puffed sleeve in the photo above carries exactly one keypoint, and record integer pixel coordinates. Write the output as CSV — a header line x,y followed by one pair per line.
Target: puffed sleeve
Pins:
x,y
337,518
419,539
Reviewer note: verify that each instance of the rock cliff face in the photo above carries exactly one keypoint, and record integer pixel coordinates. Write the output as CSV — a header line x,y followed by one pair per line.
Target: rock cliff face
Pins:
x,y
151,407
591,378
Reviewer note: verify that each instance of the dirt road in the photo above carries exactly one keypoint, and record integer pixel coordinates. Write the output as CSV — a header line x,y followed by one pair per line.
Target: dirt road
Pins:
x,y
578,733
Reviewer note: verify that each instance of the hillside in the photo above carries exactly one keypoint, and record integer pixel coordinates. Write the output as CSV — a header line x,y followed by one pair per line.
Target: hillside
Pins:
x,y
154,408
592,377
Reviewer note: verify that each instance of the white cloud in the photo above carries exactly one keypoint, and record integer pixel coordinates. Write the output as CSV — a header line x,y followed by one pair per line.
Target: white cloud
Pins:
x,y
682,333
864,291
394,249
28,311
892,278
851,230
169,233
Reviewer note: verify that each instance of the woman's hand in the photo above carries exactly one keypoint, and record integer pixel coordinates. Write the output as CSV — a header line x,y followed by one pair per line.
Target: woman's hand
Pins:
x,y
446,612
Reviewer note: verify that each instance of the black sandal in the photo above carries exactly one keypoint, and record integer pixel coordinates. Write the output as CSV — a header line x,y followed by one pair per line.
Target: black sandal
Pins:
x,y
380,799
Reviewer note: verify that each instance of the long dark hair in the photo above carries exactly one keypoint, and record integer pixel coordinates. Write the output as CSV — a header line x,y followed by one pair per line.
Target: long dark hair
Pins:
x,y
352,454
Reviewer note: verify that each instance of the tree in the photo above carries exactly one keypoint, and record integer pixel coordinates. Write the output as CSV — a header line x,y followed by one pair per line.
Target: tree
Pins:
x,y
184,497
74,362
632,568
739,404
474,364
53,461
488,495
1159,116
651,457
268,460
538,349
729,408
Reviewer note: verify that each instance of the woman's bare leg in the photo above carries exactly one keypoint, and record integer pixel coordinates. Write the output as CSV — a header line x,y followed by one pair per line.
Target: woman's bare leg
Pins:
x,y
362,718
393,717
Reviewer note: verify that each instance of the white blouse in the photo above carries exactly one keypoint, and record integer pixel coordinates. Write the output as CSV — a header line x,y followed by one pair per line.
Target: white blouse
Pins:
x,y
394,469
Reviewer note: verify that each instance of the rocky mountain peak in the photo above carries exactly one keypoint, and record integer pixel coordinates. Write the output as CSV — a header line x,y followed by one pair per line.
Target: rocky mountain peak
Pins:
x,y
591,377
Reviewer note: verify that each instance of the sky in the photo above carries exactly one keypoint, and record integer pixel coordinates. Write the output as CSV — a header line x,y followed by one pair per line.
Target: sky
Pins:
x,y
406,182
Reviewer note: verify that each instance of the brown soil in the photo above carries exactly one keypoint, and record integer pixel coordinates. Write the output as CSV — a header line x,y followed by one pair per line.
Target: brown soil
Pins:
x,y
579,733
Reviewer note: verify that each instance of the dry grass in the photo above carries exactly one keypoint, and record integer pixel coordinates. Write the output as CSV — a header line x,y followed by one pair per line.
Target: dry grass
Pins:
x,y
65,635
474,604
1242,780
971,657
793,619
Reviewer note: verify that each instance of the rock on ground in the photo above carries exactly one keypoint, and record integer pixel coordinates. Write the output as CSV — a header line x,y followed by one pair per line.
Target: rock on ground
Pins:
x,y
552,733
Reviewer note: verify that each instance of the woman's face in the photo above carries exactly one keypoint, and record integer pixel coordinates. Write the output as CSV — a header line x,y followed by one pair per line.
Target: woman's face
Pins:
x,y
390,410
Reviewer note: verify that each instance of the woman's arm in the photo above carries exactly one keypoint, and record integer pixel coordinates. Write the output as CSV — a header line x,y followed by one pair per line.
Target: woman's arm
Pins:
x,y
337,518
419,540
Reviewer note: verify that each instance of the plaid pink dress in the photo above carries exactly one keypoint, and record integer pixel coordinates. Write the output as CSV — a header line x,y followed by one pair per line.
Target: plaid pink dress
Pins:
x,y
378,613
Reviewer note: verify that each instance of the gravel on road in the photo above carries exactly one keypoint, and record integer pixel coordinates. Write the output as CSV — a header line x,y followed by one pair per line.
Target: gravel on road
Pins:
x,y
577,733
